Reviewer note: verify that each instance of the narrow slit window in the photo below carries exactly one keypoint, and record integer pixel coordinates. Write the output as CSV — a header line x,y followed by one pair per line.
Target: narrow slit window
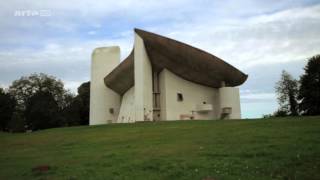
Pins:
x,y
111,111
179,97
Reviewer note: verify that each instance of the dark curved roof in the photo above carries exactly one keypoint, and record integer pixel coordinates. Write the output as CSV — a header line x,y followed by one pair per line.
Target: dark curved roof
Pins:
x,y
188,62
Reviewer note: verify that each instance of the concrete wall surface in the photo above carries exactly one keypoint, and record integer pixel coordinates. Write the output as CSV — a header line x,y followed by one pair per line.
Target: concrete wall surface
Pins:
x,y
104,102
180,99
143,82
193,96
230,98
127,109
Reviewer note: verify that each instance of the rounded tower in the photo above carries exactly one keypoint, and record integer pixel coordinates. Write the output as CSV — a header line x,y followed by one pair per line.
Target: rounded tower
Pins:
x,y
104,102
229,103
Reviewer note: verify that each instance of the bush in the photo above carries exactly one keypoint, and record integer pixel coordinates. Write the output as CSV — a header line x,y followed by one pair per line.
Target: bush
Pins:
x,y
17,123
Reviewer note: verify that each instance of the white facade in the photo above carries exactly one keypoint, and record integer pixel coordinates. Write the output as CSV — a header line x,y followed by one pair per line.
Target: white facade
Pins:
x,y
127,109
164,96
143,82
194,97
102,99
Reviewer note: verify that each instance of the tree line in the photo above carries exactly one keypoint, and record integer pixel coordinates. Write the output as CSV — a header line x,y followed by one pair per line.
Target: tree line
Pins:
x,y
300,97
40,101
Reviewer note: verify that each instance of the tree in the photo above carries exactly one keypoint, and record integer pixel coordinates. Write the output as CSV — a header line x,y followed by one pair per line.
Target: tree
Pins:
x,y
7,107
77,113
17,122
71,114
287,90
27,86
84,98
42,111
309,93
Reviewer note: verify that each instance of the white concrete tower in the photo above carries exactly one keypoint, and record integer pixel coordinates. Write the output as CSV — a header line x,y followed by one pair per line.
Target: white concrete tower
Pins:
x,y
104,102
229,98
143,82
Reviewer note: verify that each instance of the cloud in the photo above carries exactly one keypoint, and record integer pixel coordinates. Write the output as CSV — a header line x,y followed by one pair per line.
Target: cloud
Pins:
x,y
92,32
69,61
258,92
259,37
257,109
258,40
72,85
258,96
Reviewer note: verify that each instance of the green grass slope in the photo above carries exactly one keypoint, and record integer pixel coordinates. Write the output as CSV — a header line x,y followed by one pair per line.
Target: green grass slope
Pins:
x,y
287,148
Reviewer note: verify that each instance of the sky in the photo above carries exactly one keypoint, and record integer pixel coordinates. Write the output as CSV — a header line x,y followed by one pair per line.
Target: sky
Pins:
x,y
261,38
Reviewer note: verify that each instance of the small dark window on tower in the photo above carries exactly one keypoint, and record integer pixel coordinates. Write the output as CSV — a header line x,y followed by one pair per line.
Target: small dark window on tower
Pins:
x,y
111,111
204,102
179,97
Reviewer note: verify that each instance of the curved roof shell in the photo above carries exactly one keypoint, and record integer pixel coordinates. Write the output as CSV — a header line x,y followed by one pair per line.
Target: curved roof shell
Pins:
x,y
187,62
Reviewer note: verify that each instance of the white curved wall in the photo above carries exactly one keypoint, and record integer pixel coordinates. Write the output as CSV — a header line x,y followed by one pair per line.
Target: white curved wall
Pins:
x,y
143,82
127,109
193,96
229,97
104,60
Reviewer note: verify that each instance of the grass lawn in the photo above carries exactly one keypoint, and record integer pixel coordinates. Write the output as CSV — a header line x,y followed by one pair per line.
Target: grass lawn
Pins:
x,y
282,148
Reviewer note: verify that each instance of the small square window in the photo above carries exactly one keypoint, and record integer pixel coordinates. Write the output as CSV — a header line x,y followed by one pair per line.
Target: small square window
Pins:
x,y
111,111
179,97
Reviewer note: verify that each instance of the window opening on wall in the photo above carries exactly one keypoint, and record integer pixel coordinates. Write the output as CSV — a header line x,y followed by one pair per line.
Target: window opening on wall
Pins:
x,y
179,97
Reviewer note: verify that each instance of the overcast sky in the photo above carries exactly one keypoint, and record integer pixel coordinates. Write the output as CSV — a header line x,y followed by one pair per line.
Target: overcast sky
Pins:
x,y
261,38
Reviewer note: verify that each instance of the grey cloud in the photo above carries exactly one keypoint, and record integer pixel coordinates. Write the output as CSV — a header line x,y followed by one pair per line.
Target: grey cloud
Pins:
x,y
261,38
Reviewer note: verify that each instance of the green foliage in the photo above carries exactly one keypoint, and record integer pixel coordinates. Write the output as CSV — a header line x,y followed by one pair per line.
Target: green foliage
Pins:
x,y
287,90
42,111
7,107
280,113
27,86
42,102
84,98
275,148
77,112
309,93
17,122
71,113
266,116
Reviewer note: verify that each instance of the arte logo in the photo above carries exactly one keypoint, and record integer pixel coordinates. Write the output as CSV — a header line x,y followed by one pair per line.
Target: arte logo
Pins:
x,y
32,13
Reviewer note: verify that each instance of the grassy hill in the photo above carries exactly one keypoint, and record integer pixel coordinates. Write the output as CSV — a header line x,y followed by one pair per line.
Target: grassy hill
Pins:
x,y
284,148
